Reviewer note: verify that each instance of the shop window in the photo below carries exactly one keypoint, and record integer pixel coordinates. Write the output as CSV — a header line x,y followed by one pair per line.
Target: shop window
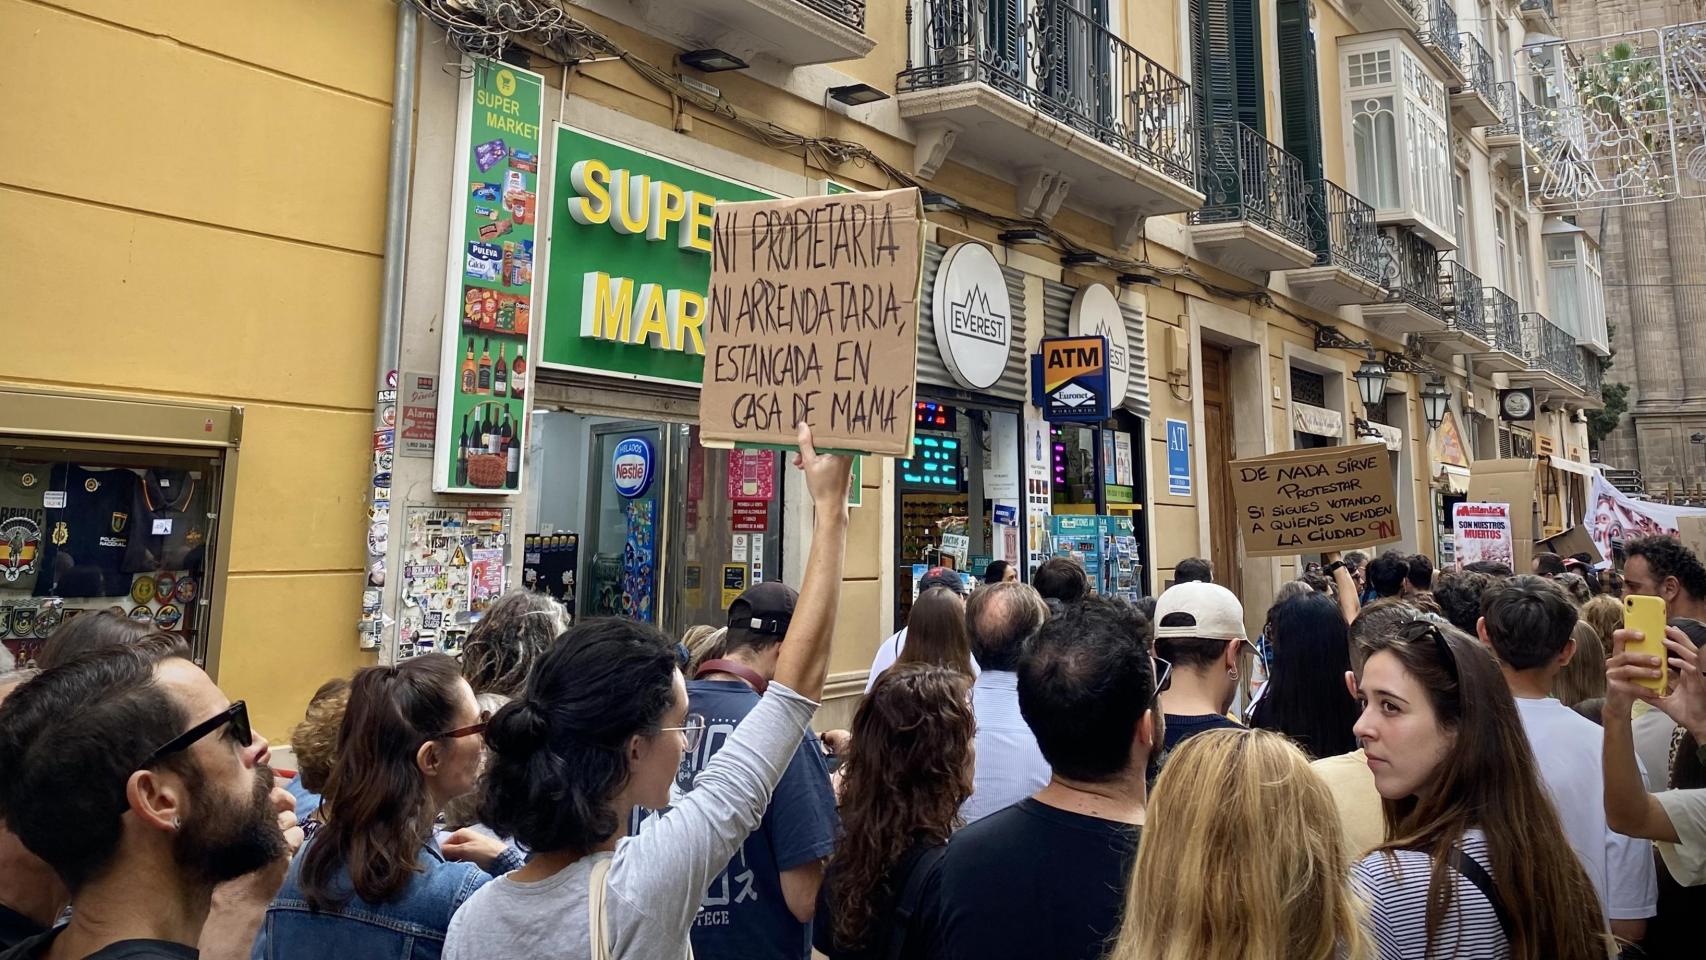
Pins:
x,y
671,548
127,530
958,495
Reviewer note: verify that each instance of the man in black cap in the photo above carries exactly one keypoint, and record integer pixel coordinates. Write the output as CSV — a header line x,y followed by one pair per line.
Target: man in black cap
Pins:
x,y
761,906
890,649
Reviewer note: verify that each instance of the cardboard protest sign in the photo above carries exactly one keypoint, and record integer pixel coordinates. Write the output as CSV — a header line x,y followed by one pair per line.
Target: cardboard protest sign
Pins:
x,y
1571,542
1482,532
1692,532
1512,482
812,315
1311,501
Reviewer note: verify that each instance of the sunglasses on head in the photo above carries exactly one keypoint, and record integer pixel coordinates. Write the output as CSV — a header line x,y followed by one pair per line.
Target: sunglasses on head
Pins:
x,y
468,731
237,715
1427,631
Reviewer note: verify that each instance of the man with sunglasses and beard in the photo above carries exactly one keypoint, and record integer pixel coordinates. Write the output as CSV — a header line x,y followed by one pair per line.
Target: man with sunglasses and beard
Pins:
x,y
143,787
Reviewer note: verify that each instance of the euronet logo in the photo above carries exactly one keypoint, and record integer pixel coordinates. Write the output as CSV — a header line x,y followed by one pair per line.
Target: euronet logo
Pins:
x,y
973,317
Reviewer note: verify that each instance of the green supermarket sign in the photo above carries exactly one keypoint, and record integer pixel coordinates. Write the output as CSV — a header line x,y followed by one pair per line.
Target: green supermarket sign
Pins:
x,y
629,259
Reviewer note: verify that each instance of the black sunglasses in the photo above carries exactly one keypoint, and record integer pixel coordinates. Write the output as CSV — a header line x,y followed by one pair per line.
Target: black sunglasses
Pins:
x,y
237,715
1418,630
1163,677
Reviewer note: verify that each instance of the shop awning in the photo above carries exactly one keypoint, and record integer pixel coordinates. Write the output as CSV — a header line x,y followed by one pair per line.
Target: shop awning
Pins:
x,y
1454,479
1571,466
1320,421
1392,437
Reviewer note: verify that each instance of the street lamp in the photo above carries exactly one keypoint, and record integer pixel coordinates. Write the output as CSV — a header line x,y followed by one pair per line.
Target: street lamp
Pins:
x,y
1371,381
1435,400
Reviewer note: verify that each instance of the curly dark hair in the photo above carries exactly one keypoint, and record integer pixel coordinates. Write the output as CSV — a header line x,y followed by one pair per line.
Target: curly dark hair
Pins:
x,y
1667,557
905,776
512,635
559,753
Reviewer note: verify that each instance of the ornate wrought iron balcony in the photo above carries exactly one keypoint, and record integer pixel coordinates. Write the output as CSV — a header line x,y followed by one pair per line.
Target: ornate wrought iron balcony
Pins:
x,y
1247,177
1593,374
1412,272
1504,320
1061,63
1478,96
1464,297
1344,232
1552,350
849,12
1439,33
1511,105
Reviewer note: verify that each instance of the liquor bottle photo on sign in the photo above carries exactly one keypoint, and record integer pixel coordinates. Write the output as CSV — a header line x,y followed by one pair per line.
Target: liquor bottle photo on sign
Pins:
x,y
494,226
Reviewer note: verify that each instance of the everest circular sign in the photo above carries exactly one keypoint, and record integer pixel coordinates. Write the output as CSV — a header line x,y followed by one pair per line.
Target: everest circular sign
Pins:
x,y
973,317
1096,312
631,466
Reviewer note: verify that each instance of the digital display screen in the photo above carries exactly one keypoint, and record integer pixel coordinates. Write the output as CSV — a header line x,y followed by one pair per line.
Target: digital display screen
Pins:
x,y
929,415
934,465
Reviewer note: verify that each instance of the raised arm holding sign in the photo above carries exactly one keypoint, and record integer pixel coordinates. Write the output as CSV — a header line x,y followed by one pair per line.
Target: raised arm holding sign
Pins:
x,y
812,317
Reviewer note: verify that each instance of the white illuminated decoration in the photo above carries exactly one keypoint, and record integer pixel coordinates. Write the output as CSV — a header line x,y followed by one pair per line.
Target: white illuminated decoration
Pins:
x,y
1617,120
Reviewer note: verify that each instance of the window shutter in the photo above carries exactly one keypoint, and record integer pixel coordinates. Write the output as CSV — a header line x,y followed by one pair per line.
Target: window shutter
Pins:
x,y
1300,94
1246,20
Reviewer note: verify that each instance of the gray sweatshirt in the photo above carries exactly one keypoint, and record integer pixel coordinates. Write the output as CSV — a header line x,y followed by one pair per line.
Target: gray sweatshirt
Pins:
x,y
656,878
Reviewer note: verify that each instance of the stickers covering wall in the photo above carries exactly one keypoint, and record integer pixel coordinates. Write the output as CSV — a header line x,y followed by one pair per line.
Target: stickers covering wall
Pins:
x,y
455,563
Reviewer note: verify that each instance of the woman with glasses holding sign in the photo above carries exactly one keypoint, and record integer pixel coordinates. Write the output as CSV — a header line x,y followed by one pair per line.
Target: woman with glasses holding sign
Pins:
x,y
1475,862
372,882
601,729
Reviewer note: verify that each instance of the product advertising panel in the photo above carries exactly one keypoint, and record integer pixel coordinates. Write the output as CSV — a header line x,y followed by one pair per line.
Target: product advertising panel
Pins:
x,y
489,290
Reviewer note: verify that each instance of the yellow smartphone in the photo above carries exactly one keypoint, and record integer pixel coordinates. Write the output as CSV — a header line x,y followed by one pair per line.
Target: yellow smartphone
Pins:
x,y
1647,614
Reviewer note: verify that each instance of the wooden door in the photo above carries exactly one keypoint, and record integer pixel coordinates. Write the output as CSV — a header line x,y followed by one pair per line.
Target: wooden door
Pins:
x,y
1218,450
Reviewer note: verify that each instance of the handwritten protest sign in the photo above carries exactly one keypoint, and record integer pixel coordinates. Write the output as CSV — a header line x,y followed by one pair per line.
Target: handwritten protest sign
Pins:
x,y
1482,532
1313,501
813,315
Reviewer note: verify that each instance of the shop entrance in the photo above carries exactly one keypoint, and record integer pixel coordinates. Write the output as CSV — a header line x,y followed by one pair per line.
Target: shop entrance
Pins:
x,y
1218,433
663,529
958,497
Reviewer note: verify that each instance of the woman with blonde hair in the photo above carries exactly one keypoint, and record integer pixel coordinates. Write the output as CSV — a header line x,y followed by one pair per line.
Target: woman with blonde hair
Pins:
x,y
1230,890
1583,678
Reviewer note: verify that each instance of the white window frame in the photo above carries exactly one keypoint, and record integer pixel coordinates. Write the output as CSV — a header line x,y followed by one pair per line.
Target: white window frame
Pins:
x,y
1520,239
1501,247
1464,221
1421,124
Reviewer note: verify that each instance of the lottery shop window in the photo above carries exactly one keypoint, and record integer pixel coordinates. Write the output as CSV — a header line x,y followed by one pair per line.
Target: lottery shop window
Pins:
x,y
84,530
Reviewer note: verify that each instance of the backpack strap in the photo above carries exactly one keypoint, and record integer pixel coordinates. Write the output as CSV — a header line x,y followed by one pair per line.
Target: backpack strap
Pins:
x,y
1476,874
906,905
596,919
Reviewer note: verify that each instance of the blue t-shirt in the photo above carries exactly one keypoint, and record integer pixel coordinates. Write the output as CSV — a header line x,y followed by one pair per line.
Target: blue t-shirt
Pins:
x,y
744,915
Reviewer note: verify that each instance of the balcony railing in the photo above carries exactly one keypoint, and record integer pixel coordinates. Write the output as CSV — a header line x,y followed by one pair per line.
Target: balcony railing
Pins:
x,y
849,12
1249,178
1412,271
1465,299
1062,63
1540,127
1593,374
1512,105
1538,6
1551,349
1477,66
1504,321
1344,231
1439,28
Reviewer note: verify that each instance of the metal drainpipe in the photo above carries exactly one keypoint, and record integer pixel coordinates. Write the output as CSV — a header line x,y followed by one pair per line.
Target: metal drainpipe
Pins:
x,y
371,626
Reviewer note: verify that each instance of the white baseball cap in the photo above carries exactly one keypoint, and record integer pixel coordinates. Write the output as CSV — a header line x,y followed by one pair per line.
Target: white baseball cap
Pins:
x,y
1215,610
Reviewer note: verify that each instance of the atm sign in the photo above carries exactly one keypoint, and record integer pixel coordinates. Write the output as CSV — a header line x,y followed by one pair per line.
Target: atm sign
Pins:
x,y
1072,373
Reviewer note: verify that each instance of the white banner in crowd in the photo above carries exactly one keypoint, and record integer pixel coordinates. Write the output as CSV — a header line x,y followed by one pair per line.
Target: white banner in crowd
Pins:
x,y
1613,515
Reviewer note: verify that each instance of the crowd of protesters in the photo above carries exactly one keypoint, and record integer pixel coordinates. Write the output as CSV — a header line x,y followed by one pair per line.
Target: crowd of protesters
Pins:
x,y
1403,763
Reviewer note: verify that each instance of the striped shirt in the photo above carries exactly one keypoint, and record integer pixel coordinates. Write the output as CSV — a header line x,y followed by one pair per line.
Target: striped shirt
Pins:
x,y
1395,886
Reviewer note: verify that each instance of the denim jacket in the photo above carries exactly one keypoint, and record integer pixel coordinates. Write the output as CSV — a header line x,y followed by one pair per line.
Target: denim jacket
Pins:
x,y
410,927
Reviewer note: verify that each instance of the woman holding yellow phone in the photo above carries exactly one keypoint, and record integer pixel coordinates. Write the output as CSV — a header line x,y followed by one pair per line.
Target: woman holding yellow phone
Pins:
x,y
1674,819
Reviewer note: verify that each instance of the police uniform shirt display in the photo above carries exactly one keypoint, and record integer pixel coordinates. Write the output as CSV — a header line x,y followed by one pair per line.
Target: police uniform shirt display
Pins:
x,y
168,528
21,523
86,537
